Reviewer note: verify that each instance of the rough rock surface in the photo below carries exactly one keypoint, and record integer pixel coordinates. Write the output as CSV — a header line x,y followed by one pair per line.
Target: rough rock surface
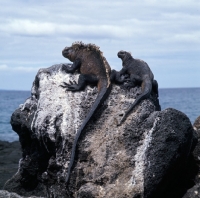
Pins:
x,y
194,192
144,157
6,194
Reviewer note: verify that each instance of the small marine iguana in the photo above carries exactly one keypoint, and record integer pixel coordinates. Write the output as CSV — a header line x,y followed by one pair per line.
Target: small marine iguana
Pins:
x,y
139,73
94,69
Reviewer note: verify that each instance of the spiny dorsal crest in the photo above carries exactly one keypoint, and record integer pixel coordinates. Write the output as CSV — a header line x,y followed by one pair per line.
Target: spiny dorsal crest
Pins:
x,y
89,47
78,45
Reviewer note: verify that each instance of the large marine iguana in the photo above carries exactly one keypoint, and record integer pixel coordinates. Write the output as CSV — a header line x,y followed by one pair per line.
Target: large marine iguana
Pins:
x,y
94,69
139,73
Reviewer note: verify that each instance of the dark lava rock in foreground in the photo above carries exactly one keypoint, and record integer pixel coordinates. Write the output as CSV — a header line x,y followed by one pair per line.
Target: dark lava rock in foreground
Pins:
x,y
147,156
194,192
10,154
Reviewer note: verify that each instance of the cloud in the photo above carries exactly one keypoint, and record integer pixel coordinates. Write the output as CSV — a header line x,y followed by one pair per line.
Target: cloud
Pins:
x,y
28,27
18,69
37,28
151,21
3,67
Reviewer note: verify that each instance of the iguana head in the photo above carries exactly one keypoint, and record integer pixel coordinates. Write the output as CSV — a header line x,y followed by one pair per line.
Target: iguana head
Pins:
x,y
124,55
70,53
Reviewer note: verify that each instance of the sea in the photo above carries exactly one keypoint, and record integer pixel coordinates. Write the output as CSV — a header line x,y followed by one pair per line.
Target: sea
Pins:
x,y
186,100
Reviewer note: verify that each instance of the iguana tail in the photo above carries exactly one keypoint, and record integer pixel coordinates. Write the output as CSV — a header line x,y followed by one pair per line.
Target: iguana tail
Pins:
x,y
146,91
103,93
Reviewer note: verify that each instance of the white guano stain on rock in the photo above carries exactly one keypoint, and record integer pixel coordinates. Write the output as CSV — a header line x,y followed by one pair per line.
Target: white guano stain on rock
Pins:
x,y
137,179
49,106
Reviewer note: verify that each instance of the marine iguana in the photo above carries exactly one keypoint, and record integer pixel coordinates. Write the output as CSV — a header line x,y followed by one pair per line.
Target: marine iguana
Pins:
x,y
139,73
94,69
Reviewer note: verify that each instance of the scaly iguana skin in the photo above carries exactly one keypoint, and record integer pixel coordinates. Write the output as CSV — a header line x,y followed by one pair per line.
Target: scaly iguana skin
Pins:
x,y
140,74
94,69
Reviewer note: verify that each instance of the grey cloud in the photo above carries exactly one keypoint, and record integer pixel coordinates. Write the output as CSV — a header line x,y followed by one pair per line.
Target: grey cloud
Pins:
x,y
36,28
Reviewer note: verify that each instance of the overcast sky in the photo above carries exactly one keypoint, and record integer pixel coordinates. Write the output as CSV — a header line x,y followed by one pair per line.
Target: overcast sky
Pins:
x,y
164,33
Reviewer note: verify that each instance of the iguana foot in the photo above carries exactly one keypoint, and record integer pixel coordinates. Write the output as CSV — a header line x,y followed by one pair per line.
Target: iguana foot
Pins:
x,y
73,86
67,67
129,85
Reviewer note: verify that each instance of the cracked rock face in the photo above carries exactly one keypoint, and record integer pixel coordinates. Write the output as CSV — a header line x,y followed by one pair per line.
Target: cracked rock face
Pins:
x,y
140,158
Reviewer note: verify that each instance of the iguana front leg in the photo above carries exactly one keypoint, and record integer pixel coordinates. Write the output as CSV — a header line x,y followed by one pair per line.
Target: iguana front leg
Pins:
x,y
71,68
134,80
83,80
116,76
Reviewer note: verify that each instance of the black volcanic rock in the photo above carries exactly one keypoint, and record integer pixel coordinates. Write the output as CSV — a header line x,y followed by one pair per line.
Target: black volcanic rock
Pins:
x,y
144,157
194,192
10,154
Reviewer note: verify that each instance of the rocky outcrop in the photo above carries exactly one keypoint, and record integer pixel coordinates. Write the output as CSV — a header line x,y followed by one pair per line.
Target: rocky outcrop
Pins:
x,y
146,156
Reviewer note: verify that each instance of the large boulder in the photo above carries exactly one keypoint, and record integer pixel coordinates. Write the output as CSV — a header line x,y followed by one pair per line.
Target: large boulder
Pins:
x,y
194,192
144,157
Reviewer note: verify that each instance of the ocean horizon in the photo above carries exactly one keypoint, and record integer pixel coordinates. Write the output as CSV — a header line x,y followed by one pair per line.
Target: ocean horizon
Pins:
x,y
186,100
